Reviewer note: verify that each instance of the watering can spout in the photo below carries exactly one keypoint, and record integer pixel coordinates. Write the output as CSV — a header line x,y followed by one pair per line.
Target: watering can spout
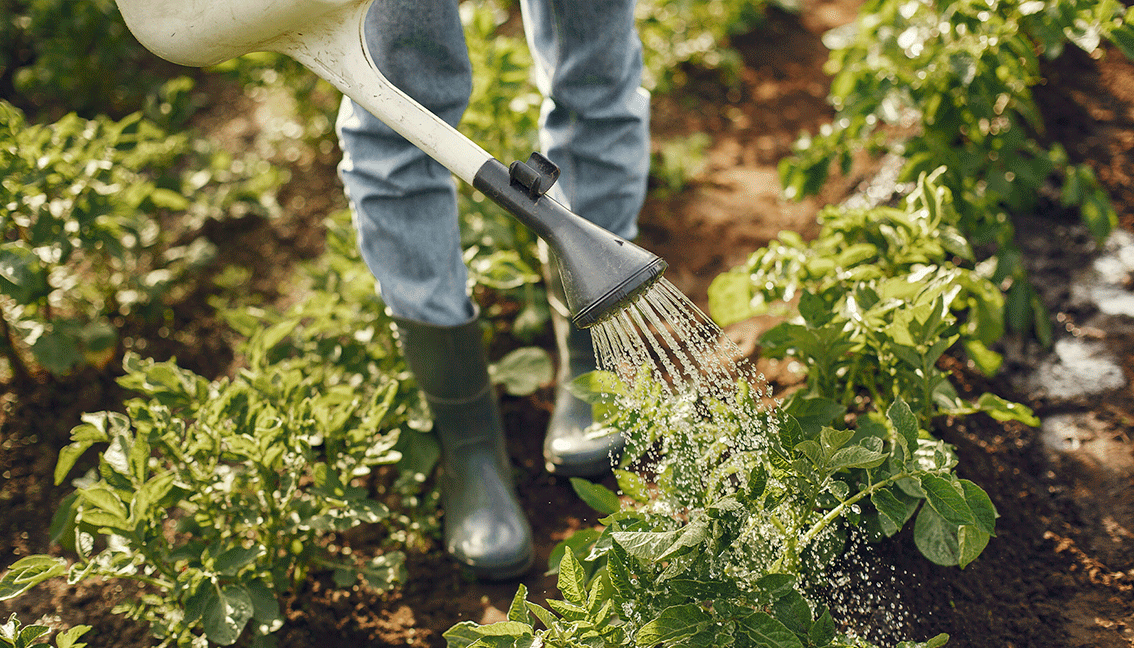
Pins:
x,y
601,272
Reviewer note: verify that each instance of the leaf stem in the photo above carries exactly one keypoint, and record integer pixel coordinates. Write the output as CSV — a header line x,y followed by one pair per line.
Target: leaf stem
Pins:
x,y
838,511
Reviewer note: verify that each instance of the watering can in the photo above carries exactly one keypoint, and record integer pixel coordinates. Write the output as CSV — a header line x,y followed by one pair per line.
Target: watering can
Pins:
x,y
601,272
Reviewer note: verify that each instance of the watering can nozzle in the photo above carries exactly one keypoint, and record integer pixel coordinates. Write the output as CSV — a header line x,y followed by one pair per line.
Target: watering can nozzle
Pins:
x,y
601,271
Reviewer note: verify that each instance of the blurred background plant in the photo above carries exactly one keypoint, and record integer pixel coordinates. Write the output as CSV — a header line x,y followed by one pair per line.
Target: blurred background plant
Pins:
x,y
949,84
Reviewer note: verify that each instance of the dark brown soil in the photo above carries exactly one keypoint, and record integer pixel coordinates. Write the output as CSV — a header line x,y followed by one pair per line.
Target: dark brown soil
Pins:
x,y
1059,573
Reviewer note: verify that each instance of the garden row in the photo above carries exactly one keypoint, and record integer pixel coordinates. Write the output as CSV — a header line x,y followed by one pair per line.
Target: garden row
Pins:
x,y
222,495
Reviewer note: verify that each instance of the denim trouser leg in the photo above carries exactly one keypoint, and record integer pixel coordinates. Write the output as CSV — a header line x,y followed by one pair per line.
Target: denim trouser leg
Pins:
x,y
594,125
595,119
404,202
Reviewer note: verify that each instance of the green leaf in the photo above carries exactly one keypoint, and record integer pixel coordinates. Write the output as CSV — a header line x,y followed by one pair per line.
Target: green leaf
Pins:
x,y
57,352
776,585
794,612
230,561
572,579
935,642
814,310
597,496
1003,410
106,500
29,571
69,637
645,545
596,387
822,632
936,538
730,298
579,542
518,610
985,359
905,423
675,623
523,371
167,199
265,608
947,500
21,276
763,631
569,611
467,633
227,611
385,571
892,513
832,439
971,541
856,456
632,485
543,614
984,511
813,413
692,535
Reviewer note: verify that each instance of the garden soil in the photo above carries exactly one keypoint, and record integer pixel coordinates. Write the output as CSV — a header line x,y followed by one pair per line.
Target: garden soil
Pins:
x,y
1060,571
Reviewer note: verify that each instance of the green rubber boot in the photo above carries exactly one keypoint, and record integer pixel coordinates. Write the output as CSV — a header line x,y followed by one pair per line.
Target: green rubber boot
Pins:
x,y
485,528
568,450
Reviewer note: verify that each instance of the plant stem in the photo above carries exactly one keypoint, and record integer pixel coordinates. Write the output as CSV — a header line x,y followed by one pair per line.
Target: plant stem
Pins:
x,y
838,511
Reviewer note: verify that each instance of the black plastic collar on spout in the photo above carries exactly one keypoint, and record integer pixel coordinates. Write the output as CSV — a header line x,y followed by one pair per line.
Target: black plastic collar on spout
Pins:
x,y
601,271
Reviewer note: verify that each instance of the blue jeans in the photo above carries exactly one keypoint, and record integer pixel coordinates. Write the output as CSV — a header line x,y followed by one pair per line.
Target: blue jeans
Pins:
x,y
594,124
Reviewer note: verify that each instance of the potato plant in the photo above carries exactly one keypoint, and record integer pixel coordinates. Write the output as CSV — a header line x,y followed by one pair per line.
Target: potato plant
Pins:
x,y
731,564
217,495
223,495
881,294
950,83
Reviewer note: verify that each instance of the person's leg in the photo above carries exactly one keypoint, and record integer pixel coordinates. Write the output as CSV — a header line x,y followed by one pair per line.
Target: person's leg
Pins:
x,y
405,210
595,119
594,125
404,202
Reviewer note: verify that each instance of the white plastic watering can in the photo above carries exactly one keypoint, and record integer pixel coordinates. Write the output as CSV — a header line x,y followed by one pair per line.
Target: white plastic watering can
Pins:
x,y
601,272
324,35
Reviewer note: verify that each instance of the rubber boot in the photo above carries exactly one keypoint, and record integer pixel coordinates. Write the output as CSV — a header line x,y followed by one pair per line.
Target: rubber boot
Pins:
x,y
485,528
568,450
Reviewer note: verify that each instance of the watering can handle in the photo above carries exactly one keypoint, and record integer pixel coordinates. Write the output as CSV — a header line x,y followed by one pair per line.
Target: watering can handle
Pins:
x,y
326,36
341,57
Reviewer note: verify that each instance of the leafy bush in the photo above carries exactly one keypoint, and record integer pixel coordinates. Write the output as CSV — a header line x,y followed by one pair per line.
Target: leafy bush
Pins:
x,y
76,199
677,34
732,562
727,522
881,300
220,496
85,233
74,57
949,84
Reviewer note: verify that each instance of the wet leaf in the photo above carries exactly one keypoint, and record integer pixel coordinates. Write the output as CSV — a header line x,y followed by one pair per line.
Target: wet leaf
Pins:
x,y
944,497
599,497
936,538
226,611
523,371
672,625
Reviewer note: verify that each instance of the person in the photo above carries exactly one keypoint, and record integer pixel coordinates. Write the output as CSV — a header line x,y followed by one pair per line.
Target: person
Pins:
x,y
594,124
